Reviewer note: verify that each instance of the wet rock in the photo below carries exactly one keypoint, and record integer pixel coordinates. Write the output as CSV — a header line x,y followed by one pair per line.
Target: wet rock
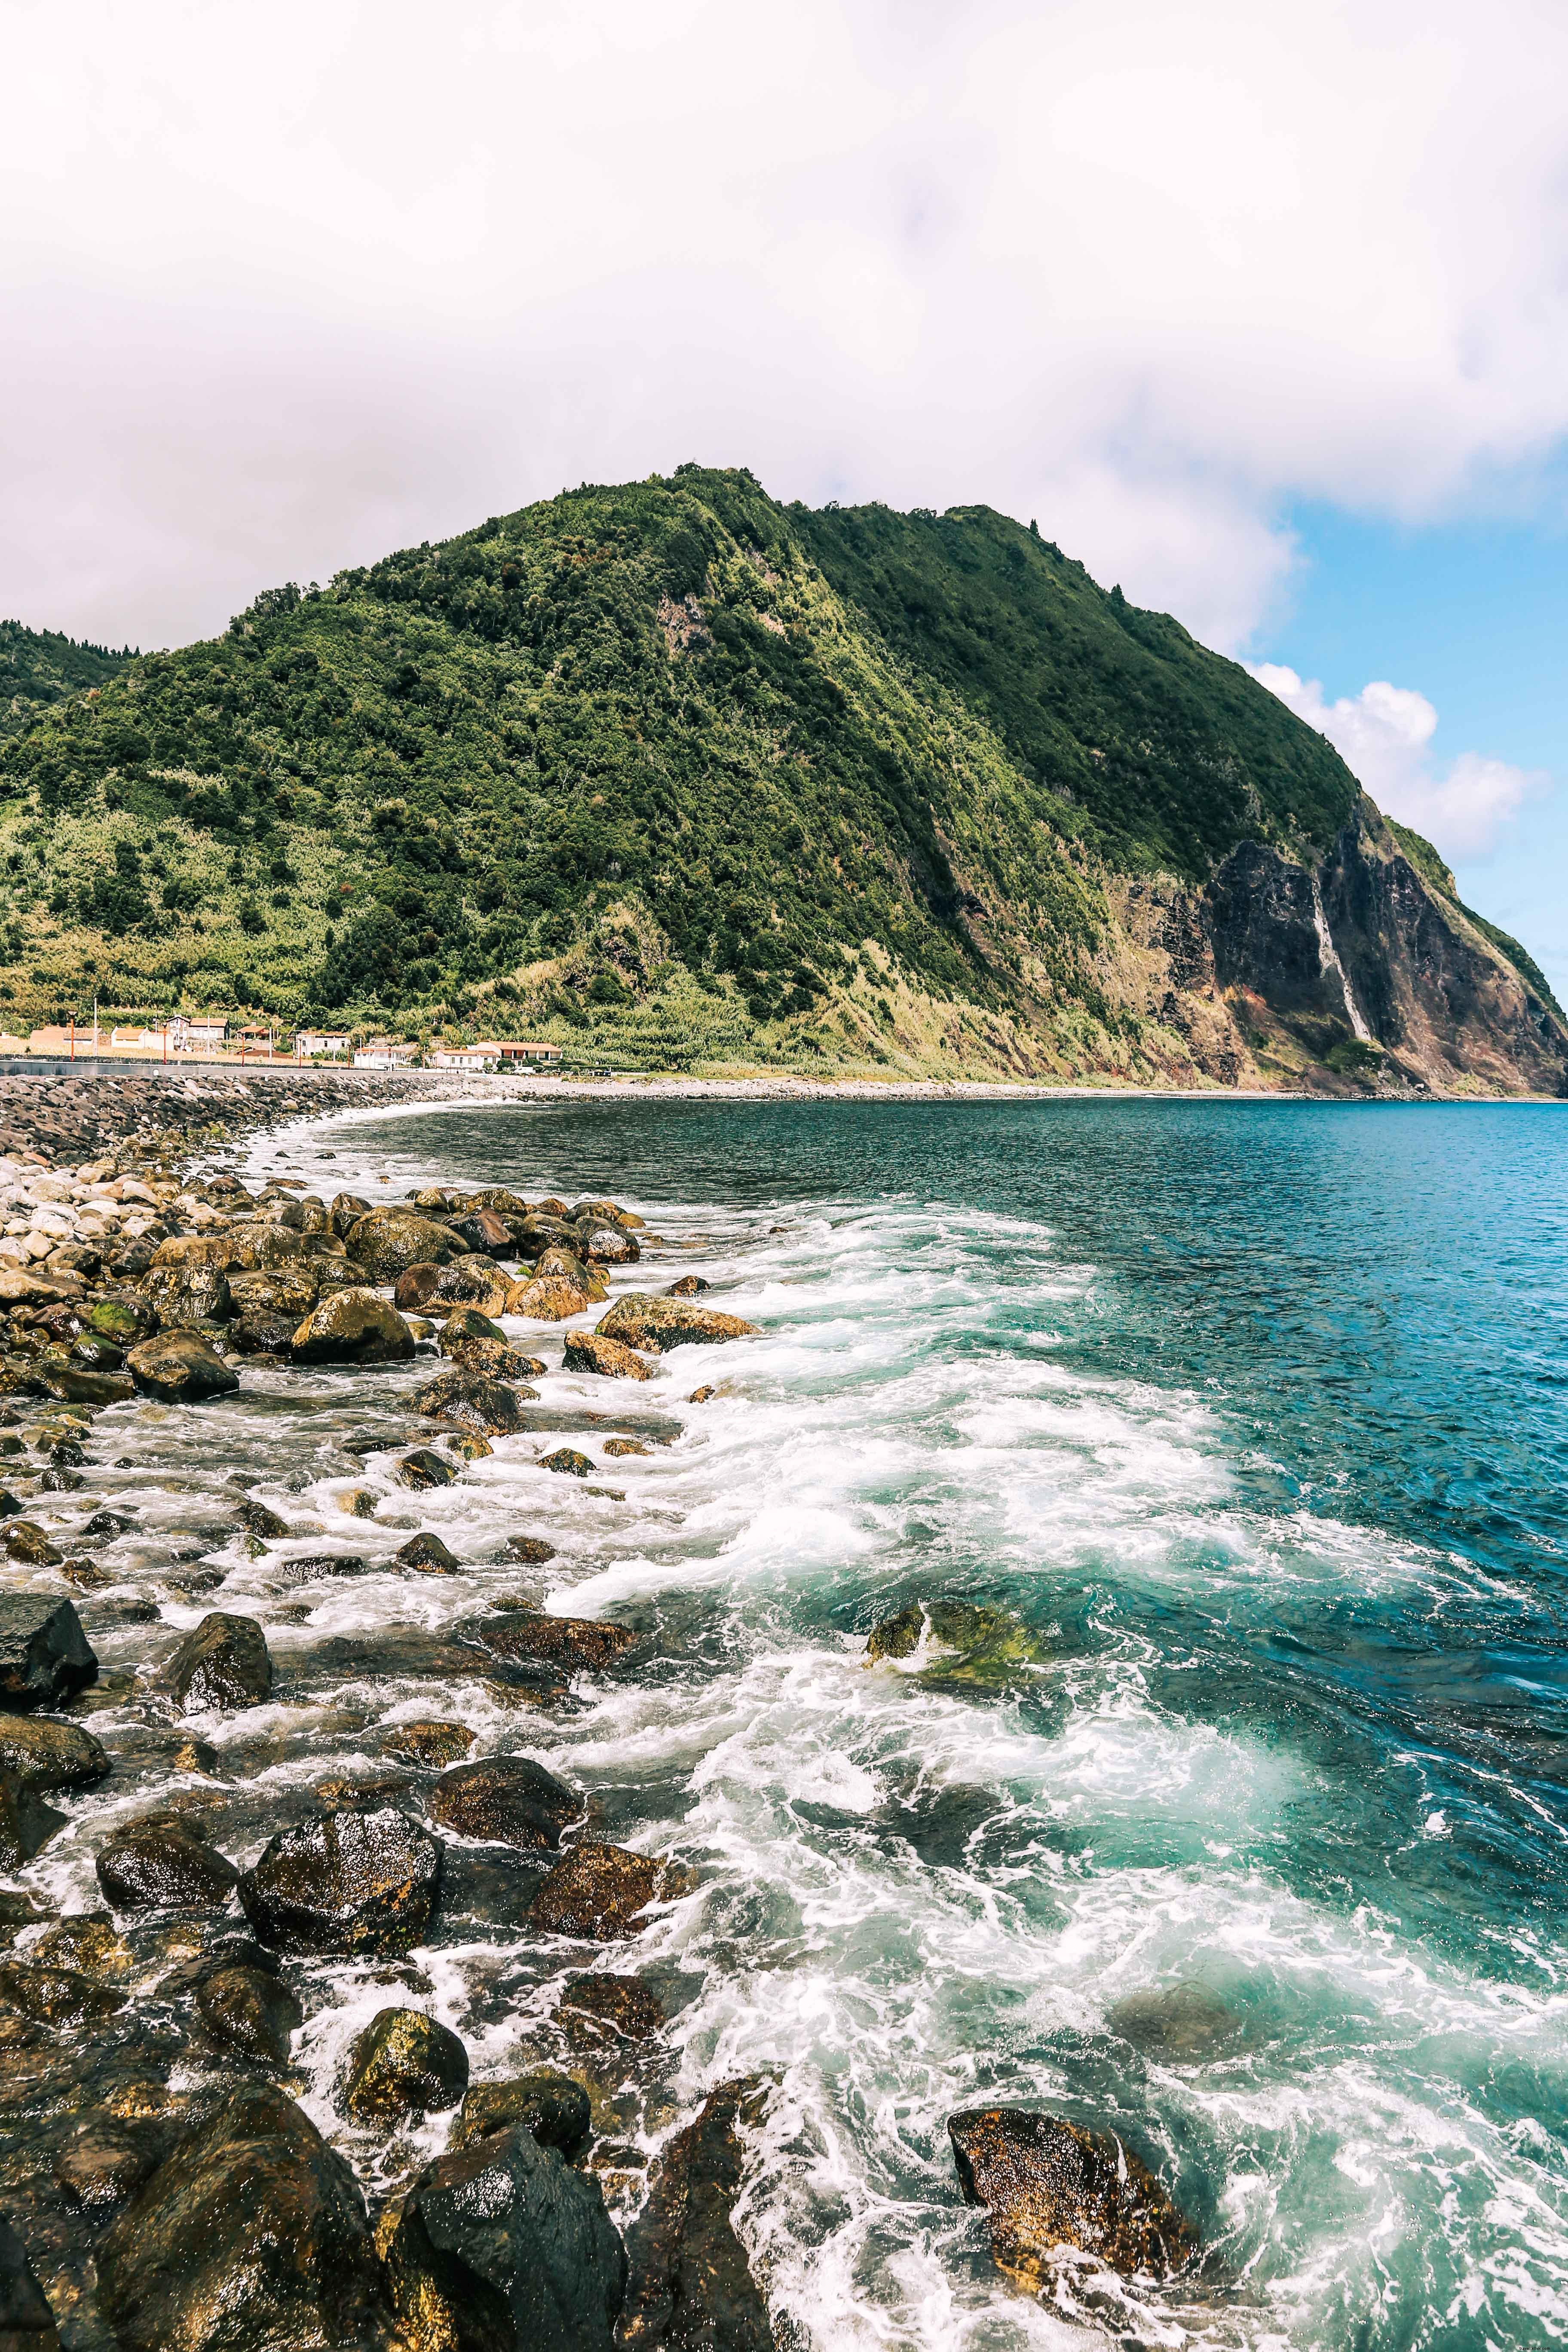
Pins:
x,y
473,1402
691,2283
609,1213
24,1540
291,1290
256,1245
599,1892
197,1755
74,1383
547,1299
310,1566
963,1645
261,1334
604,1244
26,1825
600,2011
353,1327
163,1865
551,2105
224,1662
250,2237
505,1800
463,1327
658,1325
568,1462
345,1212
387,1242
1046,2184
40,1755
26,2323
501,2247
421,1468
105,2161
468,1444
84,1940
1182,2021
224,1952
181,1295
702,1395
177,1368
345,1881
429,1742
586,1644
45,1657
404,2065
417,1656
483,1232
617,1447
247,2009
122,1320
591,1352
56,1996
428,1552
470,1281
416,1287
261,1519
527,1551
690,1286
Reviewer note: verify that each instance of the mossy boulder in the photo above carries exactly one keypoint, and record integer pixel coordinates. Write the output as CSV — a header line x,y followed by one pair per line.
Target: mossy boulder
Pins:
x,y
657,1325
353,1327
612,1359
959,1643
388,1241
404,2065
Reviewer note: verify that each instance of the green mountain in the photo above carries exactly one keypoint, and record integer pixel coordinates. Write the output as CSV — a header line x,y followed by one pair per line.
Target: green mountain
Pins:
x,y
38,668
685,777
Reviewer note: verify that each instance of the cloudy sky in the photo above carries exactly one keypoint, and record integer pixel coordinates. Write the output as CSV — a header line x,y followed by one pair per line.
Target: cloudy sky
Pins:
x,y
1262,309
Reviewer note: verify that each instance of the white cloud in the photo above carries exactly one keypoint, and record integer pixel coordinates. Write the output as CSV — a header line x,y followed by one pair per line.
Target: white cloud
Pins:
x,y
267,300
1385,736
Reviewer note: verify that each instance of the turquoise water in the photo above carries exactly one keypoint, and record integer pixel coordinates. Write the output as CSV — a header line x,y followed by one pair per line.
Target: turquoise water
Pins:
x,y
1257,1414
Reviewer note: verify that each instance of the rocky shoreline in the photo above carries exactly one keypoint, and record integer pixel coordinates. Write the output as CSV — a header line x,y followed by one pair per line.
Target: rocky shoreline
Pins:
x,y
161,2182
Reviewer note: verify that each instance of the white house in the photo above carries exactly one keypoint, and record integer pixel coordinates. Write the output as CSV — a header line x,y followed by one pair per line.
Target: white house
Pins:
x,y
310,1042
385,1053
512,1050
465,1057
206,1031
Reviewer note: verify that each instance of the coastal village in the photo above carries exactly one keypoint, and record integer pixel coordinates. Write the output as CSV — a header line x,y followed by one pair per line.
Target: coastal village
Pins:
x,y
208,1037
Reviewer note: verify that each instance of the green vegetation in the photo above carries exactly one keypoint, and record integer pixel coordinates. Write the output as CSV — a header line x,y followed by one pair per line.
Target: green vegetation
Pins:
x,y
669,771
38,668
1432,870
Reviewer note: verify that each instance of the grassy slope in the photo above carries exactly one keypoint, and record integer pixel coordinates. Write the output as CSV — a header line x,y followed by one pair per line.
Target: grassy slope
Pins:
x,y
1430,867
668,769
38,668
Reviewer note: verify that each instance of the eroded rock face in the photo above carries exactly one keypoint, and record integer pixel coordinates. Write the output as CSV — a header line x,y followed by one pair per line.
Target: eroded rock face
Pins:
x,y
405,2064
1046,2184
251,2237
658,1325
45,1656
346,1882
506,1800
509,2249
591,1352
599,1892
353,1327
224,1662
691,2283
177,1368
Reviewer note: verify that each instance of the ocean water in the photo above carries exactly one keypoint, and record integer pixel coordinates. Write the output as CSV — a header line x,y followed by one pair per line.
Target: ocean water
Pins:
x,y
1256,1415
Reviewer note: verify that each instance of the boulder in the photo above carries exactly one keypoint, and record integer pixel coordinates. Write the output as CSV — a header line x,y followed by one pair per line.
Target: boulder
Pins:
x,y
483,1232
56,1996
178,1368
547,1299
604,2011
473,1402
353,1327
617,1448
345,1212
41,1756
961,1645
505,1800
387,1242
250,2237
1047,2184
260,1333
429,1742
691,2283
690,1286
105,2162
501,2247
188,1294
161,1864
76,1383
221,1661
603,1244
45,1657
554,2108
26,2323
404,2065
26,1825
609,1213
600,1892
588,1644
247,2009
472,1281
122,1320
567,1462
418,1656
561,1263
289,1290
1179,2021
527,1551
658,1325
429,1553
422,1469
261,1519
415,1287
346,1882
24,1539
462,1327
591,1352
258,1245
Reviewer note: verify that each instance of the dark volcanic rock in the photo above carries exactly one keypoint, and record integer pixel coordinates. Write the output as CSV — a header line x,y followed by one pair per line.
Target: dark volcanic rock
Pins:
x,y
585,1642
690,2283
423,1468
247,2009
180,1369
600,2011
554,2108
45,1658
251,2237
661,1324
221,1661
345,1881
404,2064
1046,2183
353,1327
160,1863
506,2249
600,1891
428,1552
505,1800
26,2323
40,1755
